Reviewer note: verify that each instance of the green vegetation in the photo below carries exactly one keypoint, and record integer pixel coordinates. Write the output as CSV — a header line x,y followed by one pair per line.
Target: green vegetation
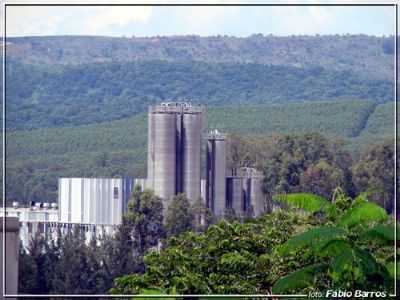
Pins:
x,y
283,252
368,56
47,96
36,158
344,251
321,245
179,216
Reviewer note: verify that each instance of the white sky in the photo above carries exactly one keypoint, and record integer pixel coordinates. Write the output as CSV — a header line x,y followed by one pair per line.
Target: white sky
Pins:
x,y
208,20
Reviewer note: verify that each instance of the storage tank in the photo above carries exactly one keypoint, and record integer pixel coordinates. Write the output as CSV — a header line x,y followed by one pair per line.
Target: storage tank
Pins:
x,y
257,196
216,172
234,194
162,152
191,152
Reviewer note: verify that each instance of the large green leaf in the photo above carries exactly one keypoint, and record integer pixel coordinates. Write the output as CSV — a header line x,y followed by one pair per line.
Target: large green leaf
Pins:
x,y
309,202
381,232
343,261
367,261
391,269
315,238
334,247
362,213
298,280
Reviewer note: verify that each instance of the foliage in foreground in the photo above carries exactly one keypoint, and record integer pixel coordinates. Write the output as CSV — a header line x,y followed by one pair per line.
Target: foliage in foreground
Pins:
x,y
346,244
354,251
228,258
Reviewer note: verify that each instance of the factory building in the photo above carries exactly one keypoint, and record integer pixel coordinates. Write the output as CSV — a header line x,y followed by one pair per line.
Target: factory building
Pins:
x,y
38,218
174,150
93,201
94,204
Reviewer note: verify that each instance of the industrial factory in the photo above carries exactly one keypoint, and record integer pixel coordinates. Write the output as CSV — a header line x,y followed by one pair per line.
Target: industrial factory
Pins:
x,y
174,166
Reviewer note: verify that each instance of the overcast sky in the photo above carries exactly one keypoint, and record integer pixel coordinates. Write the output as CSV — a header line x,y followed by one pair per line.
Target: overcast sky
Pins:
x,y
205,21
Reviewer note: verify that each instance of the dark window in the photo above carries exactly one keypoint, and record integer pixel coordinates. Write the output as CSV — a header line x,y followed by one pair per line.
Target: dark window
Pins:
x,y
115,192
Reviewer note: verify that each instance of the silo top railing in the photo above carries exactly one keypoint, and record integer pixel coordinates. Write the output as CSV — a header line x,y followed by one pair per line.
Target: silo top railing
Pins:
x,y
176,107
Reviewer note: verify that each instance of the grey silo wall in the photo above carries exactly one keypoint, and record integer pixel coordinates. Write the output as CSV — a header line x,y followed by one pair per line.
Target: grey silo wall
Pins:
x,y
235,195
150,151
257,196
191,154
163,155
216,175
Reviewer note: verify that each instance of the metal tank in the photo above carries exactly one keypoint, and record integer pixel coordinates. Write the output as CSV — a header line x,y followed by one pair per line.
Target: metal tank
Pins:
x,y
163,155
216,173
235,194
174,150
257,196
254,198
150,150
191,153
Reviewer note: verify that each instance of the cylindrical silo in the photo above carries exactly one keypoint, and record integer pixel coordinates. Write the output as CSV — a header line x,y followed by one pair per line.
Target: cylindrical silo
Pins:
x,y
191,152
163,155
234,194
257,196
216,173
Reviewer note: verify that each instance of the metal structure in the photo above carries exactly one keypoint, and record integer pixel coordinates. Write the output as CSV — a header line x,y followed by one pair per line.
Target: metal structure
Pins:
x,y
235,194
33,220
244,192
216,173
174,150
94,201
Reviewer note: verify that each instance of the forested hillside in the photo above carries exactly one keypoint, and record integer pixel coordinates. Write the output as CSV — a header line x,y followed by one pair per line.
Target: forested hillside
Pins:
x,y
368,56
47,96
76,106
36,158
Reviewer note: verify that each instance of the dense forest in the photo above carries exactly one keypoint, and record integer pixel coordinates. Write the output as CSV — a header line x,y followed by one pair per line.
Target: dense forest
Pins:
x,y
46,96
367,56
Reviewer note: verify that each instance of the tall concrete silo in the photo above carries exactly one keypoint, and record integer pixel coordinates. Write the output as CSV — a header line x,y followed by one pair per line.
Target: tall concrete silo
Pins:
x,y
235,194
216,173
174,150
191,153
162,152
254,198
257,196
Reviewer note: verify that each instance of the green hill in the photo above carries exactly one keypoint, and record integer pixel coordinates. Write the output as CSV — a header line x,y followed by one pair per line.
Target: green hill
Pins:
x,y
56,96
36,158
368,56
